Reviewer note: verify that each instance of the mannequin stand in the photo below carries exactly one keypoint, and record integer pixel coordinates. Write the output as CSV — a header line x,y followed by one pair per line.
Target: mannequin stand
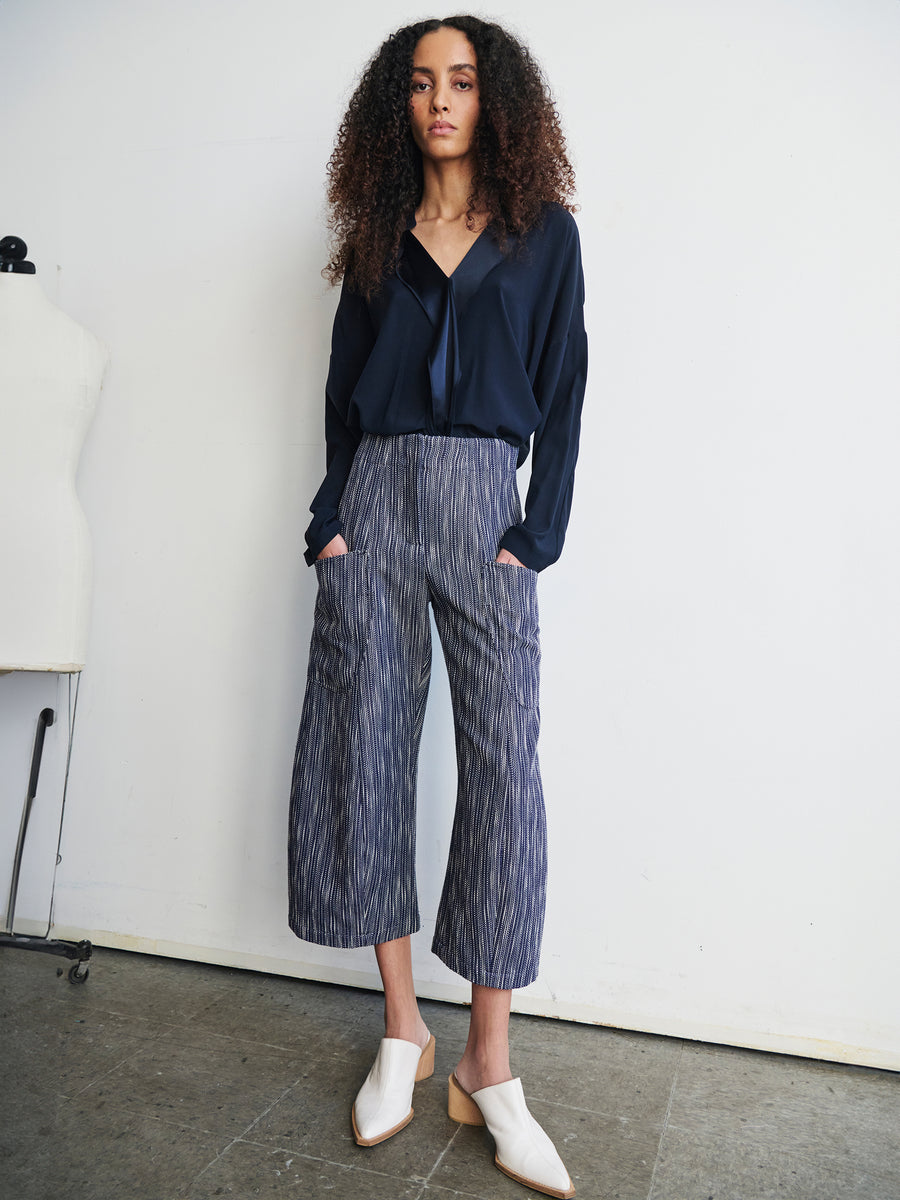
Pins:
x,y
79,951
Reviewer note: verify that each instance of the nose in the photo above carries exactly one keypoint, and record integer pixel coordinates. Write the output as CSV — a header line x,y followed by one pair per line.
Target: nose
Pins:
x,y
439,98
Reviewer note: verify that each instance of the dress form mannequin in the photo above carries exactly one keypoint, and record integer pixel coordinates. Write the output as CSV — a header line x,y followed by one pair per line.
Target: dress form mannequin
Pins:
x,y
51,372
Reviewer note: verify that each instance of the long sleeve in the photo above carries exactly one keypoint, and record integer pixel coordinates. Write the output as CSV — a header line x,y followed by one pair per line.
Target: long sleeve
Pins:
x,y
559,392
351,343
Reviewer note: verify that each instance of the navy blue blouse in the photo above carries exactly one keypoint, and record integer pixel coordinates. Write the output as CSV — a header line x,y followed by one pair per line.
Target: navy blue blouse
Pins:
x,y
497,349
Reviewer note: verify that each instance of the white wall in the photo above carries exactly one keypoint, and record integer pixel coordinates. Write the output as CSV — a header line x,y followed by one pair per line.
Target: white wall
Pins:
x,y
720,639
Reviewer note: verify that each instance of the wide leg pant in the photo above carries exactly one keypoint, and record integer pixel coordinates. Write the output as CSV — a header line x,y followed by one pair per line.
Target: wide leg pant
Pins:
x,y
422,516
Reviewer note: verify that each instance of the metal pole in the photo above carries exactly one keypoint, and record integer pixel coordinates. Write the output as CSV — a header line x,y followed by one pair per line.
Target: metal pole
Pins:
x,y
45,718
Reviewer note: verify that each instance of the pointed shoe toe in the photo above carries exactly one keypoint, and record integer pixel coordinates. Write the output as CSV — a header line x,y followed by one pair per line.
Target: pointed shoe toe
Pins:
x,y
524,1152
383,1105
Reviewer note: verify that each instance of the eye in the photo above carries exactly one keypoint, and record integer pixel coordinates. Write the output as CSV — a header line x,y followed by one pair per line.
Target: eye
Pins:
x,y
464,85
420,85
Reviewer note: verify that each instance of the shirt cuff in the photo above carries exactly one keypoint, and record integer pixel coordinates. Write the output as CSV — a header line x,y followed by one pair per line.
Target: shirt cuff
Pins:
x,y
519,542
318,537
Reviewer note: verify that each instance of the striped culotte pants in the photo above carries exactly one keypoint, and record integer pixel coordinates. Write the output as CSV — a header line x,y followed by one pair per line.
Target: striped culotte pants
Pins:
x,y
422,516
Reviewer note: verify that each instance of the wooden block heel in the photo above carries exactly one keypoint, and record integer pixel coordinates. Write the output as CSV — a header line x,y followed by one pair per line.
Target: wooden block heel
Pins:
x,y
460,1105
425,1068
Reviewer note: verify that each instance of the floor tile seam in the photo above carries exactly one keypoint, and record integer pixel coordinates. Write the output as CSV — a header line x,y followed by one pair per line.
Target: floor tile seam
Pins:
x,y
143,1113
98,1010
663,1131
822,1155
437,1163
182,1124
295,1051
105,1075
145,1050
299,1151
58,1096
227,1136
785,1118
596,1112
234,1140
206,1007
212,1162
130,1016
222,1134
174,1123
783,1126
285,1093
330,1162
439,1188
267,1110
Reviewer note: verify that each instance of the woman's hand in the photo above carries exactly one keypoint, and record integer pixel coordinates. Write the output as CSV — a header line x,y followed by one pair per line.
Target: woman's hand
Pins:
x,y
505,557
336,546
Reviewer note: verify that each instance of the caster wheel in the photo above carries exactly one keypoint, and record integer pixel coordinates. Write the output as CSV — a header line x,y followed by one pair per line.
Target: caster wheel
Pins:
x,y
78,973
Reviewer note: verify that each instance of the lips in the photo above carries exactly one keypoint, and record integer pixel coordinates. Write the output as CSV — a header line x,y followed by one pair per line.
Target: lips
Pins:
x,y
441,127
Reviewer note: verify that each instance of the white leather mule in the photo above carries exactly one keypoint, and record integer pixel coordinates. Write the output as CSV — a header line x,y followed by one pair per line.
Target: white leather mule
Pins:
x,y
383,1105
524,1151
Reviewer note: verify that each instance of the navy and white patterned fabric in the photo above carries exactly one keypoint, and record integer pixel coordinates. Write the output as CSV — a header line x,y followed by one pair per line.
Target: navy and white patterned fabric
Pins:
x,y
422,516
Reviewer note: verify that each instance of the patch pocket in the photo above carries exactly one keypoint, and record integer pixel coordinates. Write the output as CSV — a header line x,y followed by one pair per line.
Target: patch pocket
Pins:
x,y
342,619
510,594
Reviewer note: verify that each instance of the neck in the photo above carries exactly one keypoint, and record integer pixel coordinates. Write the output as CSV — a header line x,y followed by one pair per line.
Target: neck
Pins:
x,y
21,292
446,191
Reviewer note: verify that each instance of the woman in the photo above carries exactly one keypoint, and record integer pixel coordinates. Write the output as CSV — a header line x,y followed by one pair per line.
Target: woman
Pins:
x,y
458,339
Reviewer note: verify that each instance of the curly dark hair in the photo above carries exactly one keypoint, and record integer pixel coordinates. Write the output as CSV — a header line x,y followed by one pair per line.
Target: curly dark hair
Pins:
x,y
375,176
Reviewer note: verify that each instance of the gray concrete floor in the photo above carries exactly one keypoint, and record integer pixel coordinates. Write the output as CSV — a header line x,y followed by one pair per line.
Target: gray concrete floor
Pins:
x,y
160,1079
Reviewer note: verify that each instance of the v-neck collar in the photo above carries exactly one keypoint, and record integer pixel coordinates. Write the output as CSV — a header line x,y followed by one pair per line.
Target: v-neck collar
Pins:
x,y
425,249
429,284
444,299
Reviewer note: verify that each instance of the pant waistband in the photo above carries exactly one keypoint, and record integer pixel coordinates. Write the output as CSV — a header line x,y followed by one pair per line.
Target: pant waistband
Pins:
x,y
482,455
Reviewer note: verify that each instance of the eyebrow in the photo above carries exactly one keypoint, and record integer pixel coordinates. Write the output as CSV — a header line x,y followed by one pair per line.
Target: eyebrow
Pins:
x,y
455,67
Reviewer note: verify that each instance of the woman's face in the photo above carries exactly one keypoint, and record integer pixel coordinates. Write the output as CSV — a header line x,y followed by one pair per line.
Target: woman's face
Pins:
x,y
443,103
